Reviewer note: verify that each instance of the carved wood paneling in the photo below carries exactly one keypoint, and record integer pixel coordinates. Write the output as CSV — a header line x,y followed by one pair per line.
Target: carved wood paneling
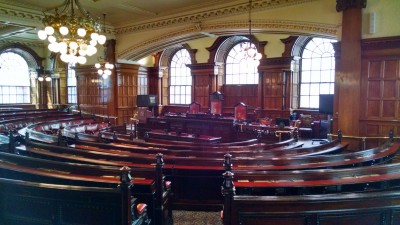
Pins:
x,y
126,91
234,94
380,88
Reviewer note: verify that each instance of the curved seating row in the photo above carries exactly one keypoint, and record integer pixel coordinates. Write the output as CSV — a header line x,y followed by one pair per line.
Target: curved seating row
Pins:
x,y
365,208
148,184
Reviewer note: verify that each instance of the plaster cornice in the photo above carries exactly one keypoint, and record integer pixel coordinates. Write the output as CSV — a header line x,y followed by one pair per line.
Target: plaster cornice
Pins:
x,y
160,42
209,14
28,43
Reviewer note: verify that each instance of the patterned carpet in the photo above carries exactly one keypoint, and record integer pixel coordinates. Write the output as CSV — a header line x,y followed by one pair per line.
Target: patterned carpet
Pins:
x,y
196,218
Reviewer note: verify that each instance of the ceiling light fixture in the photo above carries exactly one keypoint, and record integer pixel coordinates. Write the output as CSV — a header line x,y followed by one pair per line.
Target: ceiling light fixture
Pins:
x,y
74,36
248,48
104,69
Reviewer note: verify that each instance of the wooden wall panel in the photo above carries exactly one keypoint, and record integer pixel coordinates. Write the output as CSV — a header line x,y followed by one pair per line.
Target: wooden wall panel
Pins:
x,y
234,94
273,90
380,87
126,92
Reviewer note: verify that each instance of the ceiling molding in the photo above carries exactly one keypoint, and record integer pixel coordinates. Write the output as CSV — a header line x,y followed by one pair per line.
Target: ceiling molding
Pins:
x,y
209,14
160,42
29,43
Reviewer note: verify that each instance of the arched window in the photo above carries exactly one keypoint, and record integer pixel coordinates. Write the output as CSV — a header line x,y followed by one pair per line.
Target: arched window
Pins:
x,y
71,84
240,69
317,72
180,79
14,79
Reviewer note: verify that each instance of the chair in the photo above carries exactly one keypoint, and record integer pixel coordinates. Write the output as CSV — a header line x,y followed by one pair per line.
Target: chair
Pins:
x,y
240,111
194,108
305,126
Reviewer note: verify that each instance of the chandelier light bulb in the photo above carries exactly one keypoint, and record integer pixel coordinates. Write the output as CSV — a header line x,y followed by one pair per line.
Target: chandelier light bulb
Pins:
x,y
64,30
42,35
101,39
105,76
63,57
97,65
84,47
51,39
258,56
251,52
82,52
73,45
49,30
81,32
94,36
48,79
100,71
40,79
93,42
62,50
82,60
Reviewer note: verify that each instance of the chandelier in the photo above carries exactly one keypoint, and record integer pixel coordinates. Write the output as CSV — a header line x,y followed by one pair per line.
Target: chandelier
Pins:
x,y
104,69
248,48
73,36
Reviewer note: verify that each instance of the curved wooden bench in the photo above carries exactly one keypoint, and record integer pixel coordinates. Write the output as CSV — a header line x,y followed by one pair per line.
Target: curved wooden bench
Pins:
x,y
149,185
367,208
24,202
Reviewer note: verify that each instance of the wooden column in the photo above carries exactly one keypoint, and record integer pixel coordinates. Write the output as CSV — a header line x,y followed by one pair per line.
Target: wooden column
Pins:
x,y
203,75
125,91
154,77
348,73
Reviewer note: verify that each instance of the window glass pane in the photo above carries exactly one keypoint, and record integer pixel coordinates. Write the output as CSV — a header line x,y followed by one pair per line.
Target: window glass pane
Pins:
x,y
305,89
325,88
314,89
71,83
240,69
306,77
317,71
180,77
14,78
304,101
314,102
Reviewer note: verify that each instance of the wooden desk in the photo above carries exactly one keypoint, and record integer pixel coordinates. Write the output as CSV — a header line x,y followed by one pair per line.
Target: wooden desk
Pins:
x,y
267,131
213,126
159,134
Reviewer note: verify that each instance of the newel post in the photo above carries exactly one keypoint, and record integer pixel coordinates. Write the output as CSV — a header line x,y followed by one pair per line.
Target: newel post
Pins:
x,y
159,189
228,162
228,191
125,189
11,142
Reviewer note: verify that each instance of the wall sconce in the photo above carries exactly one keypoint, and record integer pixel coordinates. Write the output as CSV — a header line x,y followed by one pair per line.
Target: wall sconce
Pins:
x,y
46,78
43,75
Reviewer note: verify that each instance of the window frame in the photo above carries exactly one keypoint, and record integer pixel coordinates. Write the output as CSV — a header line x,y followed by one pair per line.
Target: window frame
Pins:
x,y
242,77
12,93
177,92
313,97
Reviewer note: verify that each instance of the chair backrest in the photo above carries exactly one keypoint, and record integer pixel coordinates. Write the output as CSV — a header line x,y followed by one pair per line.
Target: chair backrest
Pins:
x,y
143,114
194,107
216,107
240,111
306,120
